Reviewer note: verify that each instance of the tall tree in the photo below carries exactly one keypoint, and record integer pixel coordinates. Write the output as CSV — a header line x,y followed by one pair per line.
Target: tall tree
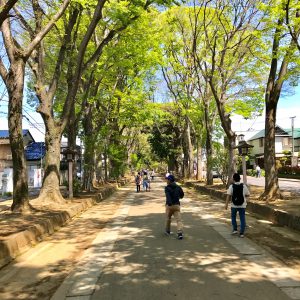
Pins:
x,y
178,73
230,30
283,61
12,72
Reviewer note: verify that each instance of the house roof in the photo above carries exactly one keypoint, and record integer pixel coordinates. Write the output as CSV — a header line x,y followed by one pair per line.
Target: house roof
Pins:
x,y
4,134
296,132
35,151
278,132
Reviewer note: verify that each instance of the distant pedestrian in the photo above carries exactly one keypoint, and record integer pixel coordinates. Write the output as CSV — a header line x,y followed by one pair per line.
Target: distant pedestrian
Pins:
x,y
237,193
173,195
258,170
152,173
138,180
146,182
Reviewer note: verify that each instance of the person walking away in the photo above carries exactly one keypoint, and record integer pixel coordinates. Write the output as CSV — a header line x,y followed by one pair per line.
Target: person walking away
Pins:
x,y
146,182
152,174
138,180
257,171
173,195
237,193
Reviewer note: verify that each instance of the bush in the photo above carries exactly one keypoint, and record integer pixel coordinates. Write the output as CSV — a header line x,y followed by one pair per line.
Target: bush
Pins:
x,y
76,186
287,170
251,172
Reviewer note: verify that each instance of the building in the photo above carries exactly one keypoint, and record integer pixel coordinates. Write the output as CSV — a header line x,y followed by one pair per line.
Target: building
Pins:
x,y
5,150
283,144
35,153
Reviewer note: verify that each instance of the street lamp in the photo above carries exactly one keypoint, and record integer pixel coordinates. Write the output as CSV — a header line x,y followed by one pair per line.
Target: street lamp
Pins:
x,y
70,155
243,148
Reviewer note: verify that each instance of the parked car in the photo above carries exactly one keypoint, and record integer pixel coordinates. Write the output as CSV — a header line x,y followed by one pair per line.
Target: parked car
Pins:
x,y
216,173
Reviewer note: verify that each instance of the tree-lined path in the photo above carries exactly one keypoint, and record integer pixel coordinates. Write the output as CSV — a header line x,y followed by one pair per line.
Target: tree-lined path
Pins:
x,y
117,250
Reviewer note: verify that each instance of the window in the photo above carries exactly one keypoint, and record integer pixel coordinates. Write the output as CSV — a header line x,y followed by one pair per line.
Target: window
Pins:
x,y
285,141
261,142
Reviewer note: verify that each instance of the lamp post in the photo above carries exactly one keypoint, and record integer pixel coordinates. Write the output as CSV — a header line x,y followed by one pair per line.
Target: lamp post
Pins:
x,y
70,154
243,148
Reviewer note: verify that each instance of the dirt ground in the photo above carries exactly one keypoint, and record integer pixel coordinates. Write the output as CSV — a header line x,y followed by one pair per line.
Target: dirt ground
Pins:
x,y
12,223
37,273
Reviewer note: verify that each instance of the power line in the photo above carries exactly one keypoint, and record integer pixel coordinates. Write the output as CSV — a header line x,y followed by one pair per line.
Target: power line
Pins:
x,y
33,125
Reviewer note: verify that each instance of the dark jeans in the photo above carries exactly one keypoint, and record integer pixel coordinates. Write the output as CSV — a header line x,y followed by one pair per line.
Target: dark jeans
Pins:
x,y
138,188
241,211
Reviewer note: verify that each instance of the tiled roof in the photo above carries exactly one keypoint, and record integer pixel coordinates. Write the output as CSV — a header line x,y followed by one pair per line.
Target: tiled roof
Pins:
x,y
35,151
278,132
4,134
296,132
258,135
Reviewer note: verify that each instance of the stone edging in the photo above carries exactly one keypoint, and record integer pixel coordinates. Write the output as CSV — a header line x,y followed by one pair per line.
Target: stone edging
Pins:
x,y
275,216
20,242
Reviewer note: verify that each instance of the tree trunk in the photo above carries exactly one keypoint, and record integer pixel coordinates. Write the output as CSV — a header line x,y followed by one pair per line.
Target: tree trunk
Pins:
x,y
231,158
209,156
15,85
199,174
50,190
89,167
208,145
105,165
271,176
72,133
188,150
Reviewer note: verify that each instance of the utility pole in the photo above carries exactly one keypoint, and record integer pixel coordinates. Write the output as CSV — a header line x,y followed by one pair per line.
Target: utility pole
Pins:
x,y
294,163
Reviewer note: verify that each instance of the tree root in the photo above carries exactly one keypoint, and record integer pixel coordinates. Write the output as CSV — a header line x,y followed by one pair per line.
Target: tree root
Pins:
x,y
24,208
268,197
51,197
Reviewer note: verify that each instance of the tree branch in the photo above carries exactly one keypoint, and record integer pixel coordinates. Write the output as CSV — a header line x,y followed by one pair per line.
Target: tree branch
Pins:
x,y
46,29
6,7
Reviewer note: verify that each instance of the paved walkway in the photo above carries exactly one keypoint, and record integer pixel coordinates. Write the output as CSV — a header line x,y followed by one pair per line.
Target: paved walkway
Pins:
x,y
132,259
286,184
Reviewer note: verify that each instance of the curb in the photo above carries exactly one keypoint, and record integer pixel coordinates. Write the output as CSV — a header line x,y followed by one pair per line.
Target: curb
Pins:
x,y
275,216
20,242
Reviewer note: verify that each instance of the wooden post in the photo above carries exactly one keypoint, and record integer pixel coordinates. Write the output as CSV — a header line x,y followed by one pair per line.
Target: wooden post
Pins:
x,y
70,173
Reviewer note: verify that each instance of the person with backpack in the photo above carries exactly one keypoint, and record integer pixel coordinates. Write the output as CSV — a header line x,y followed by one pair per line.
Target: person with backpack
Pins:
x,y
138,179
146,182
237,193
173,195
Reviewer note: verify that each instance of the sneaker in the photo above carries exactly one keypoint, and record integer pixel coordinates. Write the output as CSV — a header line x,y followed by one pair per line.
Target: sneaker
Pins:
x,y
234,232
180,236
167,233
242,235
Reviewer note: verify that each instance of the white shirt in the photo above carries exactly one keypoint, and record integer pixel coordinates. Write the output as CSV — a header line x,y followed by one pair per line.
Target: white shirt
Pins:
x,y
245,193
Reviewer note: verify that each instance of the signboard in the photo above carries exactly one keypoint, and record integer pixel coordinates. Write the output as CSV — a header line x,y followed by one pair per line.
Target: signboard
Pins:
x,y
7,181
35,178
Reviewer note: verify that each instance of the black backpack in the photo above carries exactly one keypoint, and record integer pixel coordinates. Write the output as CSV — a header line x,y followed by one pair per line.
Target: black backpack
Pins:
x,y
237,194
176,193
